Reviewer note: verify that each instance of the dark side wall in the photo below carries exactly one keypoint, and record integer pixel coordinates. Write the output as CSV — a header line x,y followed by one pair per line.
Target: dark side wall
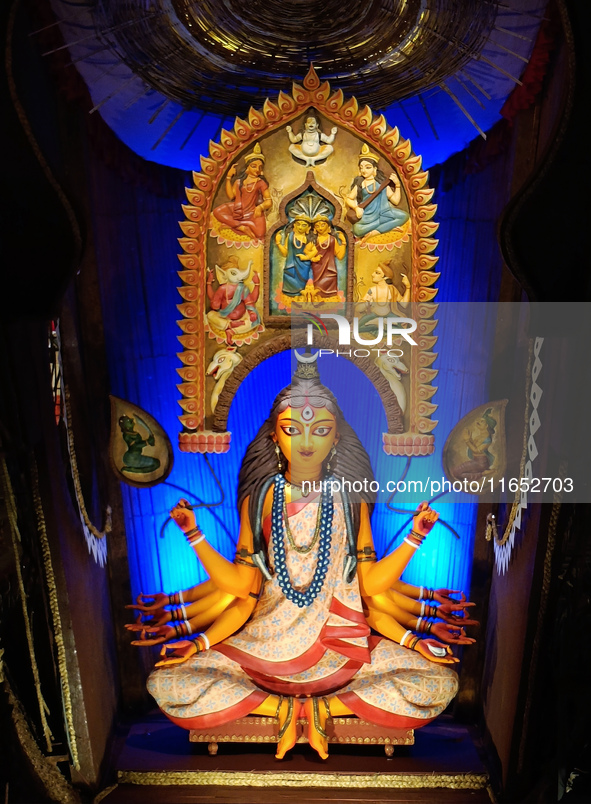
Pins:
x,y
534,690
44,246
47,247
34,450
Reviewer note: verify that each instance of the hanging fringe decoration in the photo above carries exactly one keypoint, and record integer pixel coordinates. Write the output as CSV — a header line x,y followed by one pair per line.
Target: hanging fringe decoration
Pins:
x,y
12,517
504,546
95,538
55,616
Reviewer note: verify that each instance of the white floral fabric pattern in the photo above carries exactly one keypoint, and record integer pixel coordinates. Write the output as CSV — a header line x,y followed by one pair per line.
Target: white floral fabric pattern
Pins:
x,y
314,650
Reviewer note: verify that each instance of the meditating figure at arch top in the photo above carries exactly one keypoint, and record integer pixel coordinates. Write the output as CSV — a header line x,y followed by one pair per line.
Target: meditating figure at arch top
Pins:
x,y
305,620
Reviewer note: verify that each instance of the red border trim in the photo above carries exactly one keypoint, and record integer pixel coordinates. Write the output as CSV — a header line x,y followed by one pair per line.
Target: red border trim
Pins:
x,y
378,716
355,652
341,610
240,709
248,663
293,508
330,637
323,686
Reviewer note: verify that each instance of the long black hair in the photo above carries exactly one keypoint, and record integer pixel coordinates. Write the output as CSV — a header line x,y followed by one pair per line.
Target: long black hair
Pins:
x,y
350,463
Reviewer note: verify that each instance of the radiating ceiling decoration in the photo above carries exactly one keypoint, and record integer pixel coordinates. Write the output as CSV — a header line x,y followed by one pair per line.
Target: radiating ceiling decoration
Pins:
x,y
223,56
168,74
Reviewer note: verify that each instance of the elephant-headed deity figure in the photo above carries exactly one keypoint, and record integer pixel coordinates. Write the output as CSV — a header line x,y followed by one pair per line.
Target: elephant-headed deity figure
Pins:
x,y
233,316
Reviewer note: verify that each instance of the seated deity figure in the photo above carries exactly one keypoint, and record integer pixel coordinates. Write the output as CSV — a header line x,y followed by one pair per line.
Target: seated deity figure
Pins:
x,y
306,620
478,438
374,198
249,198
134,461
311,145
233,311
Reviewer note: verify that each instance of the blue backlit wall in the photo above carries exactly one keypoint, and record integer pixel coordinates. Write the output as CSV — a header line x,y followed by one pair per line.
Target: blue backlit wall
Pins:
x,y
136,239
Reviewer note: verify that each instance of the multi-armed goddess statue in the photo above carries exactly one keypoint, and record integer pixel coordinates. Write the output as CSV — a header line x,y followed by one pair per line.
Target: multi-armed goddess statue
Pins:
x,y
306,616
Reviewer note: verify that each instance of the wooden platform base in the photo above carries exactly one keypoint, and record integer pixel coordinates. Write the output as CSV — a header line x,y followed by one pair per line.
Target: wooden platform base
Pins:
x,y
157,764
301,788
340,730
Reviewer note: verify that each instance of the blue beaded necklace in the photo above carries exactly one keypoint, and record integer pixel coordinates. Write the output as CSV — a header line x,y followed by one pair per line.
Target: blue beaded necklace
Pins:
x,y
278,535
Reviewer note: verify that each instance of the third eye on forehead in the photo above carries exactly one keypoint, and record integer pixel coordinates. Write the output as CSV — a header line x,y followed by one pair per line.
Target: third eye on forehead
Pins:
x,y
288,417
298,421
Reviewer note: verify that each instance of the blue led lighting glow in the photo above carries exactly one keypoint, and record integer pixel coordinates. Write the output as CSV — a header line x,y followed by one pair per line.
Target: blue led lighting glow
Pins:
x,y
454,130
168,564
136,241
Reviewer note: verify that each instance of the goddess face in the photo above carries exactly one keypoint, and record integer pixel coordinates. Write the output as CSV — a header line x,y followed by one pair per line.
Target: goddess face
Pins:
x,y
367,169
306,436
254,168
321,227
301,227
377,276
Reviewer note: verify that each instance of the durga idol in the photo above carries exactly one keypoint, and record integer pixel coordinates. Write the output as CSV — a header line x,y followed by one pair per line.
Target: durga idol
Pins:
x,y
306,620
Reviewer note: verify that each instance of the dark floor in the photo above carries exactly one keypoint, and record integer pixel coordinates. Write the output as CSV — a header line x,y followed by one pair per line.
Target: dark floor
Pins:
x,y
154,753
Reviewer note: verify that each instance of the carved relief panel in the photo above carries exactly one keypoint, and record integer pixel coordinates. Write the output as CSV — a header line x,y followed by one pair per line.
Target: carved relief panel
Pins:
x,y
311,201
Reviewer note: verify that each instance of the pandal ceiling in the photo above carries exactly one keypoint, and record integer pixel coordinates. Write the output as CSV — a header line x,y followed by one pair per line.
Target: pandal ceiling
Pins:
x,y
167,75
223,56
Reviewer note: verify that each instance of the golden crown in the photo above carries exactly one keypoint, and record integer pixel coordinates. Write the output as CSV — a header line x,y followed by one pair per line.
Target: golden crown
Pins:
x,y
256,154
367,154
